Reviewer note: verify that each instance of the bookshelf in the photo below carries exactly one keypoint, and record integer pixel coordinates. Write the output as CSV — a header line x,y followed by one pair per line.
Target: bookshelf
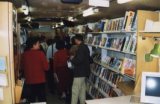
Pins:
x,y
6,50
142,45
112,32
112,69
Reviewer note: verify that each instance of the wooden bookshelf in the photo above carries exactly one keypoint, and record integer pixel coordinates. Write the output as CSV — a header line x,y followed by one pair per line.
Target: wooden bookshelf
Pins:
x,y
112,32
150,34
126,87
6,45
144,46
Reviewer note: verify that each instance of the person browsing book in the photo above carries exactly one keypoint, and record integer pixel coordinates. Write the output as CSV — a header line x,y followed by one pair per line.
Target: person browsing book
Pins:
x,y
81,63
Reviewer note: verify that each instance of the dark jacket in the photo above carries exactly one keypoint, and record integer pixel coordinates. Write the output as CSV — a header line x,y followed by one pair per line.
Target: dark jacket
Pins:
x,y
81,61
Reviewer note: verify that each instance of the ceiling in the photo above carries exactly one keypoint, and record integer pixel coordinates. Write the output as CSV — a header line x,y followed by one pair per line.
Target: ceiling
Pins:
x,y
53,10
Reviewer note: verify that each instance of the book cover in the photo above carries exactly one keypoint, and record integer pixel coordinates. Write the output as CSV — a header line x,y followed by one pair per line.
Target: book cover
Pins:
x,y
130,20
134,44
125,20
118,64
126,43
121,42
105,25
129,43
103,41
129,66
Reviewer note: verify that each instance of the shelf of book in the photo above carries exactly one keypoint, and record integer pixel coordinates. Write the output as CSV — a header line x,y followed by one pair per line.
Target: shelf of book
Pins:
x,y
112,32
109,83
99,90
90,95
111,49
150,34
114,70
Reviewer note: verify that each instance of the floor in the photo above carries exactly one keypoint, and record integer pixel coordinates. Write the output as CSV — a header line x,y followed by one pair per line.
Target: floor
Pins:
x,y
53,99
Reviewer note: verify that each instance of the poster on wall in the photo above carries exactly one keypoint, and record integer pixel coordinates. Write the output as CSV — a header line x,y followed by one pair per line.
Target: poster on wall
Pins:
x,y
3,63
3,80
1,94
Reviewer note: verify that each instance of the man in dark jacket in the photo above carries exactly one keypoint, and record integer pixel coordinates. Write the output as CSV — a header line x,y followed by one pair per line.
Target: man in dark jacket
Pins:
x,y
81,62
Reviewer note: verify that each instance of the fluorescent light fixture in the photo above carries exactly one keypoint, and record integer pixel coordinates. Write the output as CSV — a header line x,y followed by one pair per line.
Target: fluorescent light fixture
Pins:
x,y
90,11
99,3
123,1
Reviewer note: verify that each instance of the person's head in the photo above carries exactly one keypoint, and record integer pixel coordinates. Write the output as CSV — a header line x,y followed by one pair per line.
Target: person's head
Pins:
x,y
33,43
60,44
78,39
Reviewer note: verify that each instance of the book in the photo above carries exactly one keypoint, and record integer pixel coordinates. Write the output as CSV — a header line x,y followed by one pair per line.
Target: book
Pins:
x,y
129,20
128,67
105,25
103,41
125,20
129,44
126,43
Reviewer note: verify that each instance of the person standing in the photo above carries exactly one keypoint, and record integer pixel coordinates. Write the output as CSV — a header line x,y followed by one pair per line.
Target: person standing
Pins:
x,y
61,72
81,63
34,65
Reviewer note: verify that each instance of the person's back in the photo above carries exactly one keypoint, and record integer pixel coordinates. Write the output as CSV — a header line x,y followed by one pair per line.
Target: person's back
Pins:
x,y
82,65
34,66
61,57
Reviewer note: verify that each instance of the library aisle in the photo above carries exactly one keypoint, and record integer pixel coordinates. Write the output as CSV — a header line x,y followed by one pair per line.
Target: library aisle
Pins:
x,y
110,47
54,99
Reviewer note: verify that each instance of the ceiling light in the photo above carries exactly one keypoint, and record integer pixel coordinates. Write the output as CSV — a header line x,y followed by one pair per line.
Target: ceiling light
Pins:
x,y
100,3
53,27
90,11
56,25
25,9
123,1
70,18
61,23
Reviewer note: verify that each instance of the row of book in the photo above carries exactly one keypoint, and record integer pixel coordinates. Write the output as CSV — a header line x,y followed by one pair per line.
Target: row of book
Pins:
x,y
125,66
125,44
126,23
108,75
113,24
107,89
102,86
95,93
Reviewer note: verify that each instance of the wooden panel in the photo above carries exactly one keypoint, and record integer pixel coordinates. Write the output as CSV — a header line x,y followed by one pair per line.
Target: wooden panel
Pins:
x,y
7,48
143,47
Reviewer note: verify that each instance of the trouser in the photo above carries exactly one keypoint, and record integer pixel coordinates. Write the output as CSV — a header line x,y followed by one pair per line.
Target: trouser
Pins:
x,y
50,80
79,90
36,91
